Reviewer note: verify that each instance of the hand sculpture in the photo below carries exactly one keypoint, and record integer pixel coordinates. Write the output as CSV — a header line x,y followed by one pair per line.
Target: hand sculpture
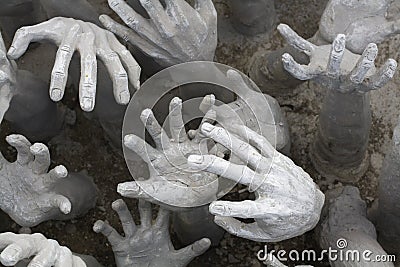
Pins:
x,y
363,22
171,182
173,35
148,244
335,67
288,203
7,79
45,252
340,147
253,109
90,41
29,193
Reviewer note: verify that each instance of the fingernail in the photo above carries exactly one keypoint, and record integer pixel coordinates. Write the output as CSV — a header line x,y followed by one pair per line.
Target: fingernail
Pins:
x,y
65,208
206,127
124,97
217,209
11,257
55,94
146,113
196,159
205,242
87,104
11,51
61,171
126,188
98,226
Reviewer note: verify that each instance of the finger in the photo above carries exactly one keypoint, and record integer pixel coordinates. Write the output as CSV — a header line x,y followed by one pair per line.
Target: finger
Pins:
x,y
295,40
131,65
88,81
109,232
41,162
218,166
64,54
194,250
384,75
207,103
128,15
176,124
115,69
25,35
46,256
128,224
301,72
162,221
65,258
364,64
243,209
259,141
175,11
61,202
209,118
158,17
249,231
58,172
336,55
242,149
158,134
145,213
133,190
143,40
140,147
15,252
22,145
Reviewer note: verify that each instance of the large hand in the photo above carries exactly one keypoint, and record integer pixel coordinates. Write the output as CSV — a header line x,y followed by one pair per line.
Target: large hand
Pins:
x,y
91,41
288,203
171,181
26,188
148,244
7,79
173,35
362,21
45,252
335,67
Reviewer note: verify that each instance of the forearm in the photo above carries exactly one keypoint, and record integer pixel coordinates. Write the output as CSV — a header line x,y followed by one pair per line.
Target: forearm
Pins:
x,y
343,130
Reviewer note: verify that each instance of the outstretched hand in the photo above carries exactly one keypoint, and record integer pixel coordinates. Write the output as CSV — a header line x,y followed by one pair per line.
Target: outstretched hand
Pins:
x,y
91,41
335,67
177,34
147,244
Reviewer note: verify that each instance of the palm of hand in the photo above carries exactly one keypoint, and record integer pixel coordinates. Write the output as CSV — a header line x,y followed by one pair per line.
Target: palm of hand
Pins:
x,y
26,187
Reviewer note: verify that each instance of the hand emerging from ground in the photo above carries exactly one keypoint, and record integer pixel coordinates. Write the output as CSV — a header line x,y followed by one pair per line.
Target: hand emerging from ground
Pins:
x,y
288,203
177,34
43,252
172,183
335,67
26,186
148,244
91,42
362,21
